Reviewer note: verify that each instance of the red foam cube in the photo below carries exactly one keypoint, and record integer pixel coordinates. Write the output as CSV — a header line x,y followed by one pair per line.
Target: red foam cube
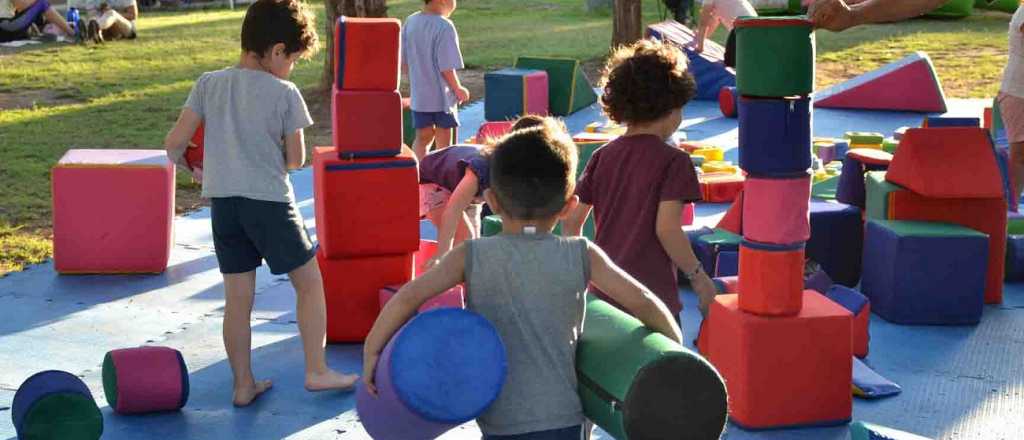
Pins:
x,y
366,53
195,151
953,162
351,289
113,211
720,188
451,298
366,207
782,371
367,123
771,279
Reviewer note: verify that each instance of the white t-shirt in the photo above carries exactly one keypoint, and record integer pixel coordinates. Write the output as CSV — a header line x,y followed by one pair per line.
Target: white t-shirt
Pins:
x,y
728,10
1013,76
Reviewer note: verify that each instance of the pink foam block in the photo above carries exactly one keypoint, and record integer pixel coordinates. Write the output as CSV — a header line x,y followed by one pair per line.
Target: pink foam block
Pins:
x,y
148,379
536,90
454,298
112,211
777,210
914,77
689,212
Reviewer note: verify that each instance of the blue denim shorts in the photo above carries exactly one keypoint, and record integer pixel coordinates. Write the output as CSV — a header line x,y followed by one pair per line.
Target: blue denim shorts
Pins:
x,y
434,119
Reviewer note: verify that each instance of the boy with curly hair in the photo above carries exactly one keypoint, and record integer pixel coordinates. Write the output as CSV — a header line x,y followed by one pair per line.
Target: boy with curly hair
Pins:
x,y
637,184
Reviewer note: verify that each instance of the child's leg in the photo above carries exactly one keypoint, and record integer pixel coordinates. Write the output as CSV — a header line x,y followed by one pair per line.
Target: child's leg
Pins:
x,y
462,233
442,138
1016,171
312,316
424,136
239,289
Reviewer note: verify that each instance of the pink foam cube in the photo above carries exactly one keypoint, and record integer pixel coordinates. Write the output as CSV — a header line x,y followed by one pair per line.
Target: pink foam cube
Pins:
x,y
453,298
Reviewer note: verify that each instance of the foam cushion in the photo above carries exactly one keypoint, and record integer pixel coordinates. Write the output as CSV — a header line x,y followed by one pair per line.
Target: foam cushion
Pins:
x,y
870,385
732,221
836,242
955,162
949,121
924,273
367,206
727,264
367,53
777,209
782,371
774,56
818,281
775,136
145,379
707,67
493,130
729,101
708,246
771,278
987,216
443,368
569,89
1015,258
454,298
878,195
914,76
860,308
113,211
352,287
55,405
635,383
367,123
720,187
510,93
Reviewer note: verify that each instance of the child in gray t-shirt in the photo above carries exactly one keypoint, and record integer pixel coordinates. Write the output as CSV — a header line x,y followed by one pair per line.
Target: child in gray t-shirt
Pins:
x,y
253,118
531,286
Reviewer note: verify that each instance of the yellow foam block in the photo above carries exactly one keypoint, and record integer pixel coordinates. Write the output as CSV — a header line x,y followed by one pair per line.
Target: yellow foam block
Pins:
x,y
719,166
710,153
871,146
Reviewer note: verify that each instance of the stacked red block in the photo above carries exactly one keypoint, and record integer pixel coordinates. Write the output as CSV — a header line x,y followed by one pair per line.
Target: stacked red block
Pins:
x,y
366,186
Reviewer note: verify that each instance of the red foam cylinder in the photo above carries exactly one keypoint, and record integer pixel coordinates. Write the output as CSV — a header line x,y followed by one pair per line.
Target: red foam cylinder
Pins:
x,y
689,213
427,250
366,206
367,123
352,287
145,379
779,210
453,298
771,279
366,53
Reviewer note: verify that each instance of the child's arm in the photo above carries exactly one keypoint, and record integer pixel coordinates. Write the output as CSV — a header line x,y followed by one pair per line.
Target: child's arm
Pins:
x,y
178,138
452,79
627,291
677,246
708,25
455,214
449,273
295,150
573,224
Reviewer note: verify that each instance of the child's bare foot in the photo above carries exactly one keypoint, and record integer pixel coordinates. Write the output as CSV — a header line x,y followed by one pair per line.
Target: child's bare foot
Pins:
x,y
246,395
330,380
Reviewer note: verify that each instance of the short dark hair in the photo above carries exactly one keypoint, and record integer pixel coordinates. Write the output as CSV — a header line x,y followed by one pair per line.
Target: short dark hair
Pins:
x,y
291,22
645,81
533,172
528,121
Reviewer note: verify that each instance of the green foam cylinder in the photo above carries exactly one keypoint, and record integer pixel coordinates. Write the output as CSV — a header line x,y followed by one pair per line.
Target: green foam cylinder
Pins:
x,y
953,9
638,384
774,56
63,417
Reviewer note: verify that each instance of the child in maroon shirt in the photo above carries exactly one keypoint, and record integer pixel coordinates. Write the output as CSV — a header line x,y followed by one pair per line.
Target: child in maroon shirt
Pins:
x,y
638,183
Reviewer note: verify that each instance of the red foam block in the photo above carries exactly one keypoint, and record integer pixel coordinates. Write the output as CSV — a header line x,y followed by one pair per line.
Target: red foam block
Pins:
x,y
954,162
779,210
451,298
782,372
195,150
427,250
771,280
732,221
148,379
689,213
366,53
352,287
493,130
113,211
914,77
367,123
720,188
861,332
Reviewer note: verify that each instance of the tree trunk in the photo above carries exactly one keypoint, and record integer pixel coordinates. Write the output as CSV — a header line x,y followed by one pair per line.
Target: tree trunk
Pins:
x,y
626,22
349,8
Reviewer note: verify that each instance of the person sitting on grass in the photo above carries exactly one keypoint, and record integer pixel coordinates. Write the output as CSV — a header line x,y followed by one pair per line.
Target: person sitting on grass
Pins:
x,y
110,19
531,285
18,16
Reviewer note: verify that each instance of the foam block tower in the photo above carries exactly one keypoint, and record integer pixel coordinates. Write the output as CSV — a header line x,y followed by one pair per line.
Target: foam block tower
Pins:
x,y
365,186
760,339
708,67
914,76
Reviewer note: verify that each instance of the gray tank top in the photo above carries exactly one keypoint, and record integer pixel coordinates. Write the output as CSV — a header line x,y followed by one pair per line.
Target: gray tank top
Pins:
x,y
533,289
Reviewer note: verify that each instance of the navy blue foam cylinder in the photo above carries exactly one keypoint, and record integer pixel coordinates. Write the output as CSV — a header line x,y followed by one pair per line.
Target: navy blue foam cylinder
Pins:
x,y
775,136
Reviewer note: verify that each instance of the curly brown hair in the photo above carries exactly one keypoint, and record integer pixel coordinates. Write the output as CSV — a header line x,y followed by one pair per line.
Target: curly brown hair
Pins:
x,y
269,22
533,172
645,81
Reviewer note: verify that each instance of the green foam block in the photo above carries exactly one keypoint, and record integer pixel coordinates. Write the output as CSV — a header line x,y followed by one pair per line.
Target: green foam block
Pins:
x,y
865,138
63,416
953,9
878,190
569,90
928,229
826,189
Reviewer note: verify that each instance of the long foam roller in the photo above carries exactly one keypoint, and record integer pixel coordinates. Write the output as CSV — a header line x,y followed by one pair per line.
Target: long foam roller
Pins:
x,y
52,405
771,279
366,56
145,379
638,384
443,368
775,136
777,210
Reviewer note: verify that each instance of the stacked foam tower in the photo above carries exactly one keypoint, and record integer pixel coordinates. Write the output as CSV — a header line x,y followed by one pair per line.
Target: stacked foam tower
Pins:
x,y
784,351
365,186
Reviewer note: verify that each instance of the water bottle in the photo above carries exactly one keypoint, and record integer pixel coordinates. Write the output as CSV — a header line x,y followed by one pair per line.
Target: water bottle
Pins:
x,y
72,18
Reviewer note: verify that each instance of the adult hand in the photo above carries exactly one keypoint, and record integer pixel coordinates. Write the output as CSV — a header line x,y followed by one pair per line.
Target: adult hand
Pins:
x,y
462,93
369,366
834,15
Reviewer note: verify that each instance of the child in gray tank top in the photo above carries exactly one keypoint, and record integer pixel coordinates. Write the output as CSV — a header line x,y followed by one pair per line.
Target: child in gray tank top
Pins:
x,y
531,285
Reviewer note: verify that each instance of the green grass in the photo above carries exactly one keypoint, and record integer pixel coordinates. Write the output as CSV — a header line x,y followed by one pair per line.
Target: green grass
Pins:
x,y
19,249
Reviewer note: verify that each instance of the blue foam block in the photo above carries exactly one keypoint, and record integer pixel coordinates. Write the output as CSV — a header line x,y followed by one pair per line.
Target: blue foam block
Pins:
x,y
851,189
946,121
819,282
505,90
850,299
775,136
727,264
836,240
924,273
871,385
1003,160
1015,258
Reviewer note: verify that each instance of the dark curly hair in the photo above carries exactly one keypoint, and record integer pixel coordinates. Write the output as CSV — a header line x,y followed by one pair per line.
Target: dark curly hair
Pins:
x,y
533,172
645,81
291,22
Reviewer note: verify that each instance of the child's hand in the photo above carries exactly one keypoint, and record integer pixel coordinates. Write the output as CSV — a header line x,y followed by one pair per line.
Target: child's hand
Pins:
x,y
369,365
197,175
462,94
706,291
431,262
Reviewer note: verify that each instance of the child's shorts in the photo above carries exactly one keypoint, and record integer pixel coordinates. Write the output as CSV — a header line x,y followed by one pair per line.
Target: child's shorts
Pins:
x,y
570,433
432,196
434,119
1012,109
247,231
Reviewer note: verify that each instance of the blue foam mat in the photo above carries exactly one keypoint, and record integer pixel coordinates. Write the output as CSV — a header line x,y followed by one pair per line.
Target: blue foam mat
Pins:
x,y
957,381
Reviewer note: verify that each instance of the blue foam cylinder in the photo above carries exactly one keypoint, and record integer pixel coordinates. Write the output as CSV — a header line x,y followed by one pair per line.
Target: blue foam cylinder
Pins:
x,y
727,264
837,236
443,368
851,189
775,136
84,421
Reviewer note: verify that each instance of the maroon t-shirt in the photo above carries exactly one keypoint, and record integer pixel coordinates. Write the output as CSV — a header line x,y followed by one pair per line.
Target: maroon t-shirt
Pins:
x,y
625,181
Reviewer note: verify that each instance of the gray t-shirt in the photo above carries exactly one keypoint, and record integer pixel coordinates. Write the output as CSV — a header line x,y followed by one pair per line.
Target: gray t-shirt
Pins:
x,y
532,288
430,45
247,114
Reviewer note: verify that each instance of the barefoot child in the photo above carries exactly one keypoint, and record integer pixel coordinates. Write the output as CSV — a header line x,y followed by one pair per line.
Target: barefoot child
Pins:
x,y
1011,103
722,12
638,183
253,121
531,285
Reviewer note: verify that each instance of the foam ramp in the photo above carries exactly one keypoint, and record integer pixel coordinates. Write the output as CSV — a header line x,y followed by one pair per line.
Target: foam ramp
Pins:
x,y
708,68
914,76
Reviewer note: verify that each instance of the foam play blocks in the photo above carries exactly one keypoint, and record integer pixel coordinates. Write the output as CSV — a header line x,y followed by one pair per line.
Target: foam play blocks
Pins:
x,y
727,284
708,246
366,53
780,207
510,93
819,281
145,379
774,56
351,219
453,298
708,67
949,121
732,221
924,272
878,198
720,187
638,384
719,166
709,153
858,306
768,362
776,7
727,264
775,135
729,101
1008,6
492,130
443,368
956,162
914,76
771,279
569,90
113,211
427,250
352,287
53,405
1015,258
836,241
366,123
850,189
864,138
871,431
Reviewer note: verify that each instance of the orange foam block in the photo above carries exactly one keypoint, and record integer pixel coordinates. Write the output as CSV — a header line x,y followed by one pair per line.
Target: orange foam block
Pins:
x,y
953,162
782,371
771,278
113,211
351,290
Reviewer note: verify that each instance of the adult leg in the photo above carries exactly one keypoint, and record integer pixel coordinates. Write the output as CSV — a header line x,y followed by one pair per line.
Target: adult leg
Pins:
x,y
311,312
1012,110
114,26
239,290
52,16
28,13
